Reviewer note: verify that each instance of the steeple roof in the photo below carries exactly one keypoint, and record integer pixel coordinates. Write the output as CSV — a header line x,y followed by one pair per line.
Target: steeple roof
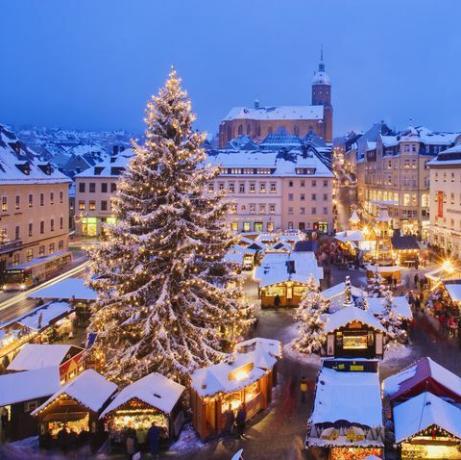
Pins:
x,y
321,77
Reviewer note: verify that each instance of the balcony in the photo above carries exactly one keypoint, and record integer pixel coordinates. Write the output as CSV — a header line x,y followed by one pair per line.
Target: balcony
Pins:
x,y
10,246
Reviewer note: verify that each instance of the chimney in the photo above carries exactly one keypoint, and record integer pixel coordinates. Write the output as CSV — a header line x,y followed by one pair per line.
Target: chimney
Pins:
x,y
256,103
115,150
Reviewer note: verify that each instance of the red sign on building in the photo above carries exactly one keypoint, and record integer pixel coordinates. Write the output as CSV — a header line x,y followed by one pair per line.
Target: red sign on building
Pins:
x,y
440,204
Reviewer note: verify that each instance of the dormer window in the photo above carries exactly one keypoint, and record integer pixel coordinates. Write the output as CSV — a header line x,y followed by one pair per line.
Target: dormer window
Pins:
x,y
24,168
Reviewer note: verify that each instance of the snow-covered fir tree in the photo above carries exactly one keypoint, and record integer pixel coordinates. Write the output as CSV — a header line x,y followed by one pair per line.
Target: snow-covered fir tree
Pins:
x,y
310,314
376,285
166,300
391,321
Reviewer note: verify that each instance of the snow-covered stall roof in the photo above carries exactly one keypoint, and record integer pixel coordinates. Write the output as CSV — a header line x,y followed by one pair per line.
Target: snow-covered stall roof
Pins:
x,y
419,413
43,316
423,369
69,288
35,356
336,292
238,371
352,236
353,397
400,306
281,267
347,315
454,291
153,389
283,112
89,388
25,386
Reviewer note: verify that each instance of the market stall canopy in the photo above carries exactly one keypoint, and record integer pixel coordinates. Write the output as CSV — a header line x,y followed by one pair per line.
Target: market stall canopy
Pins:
x,y
425,374
352,236
35,356
67,289
404,242
236,372
336,293
353,397
346,315
400,306
278,268
423,411
89,388
453,287
28,385
154,389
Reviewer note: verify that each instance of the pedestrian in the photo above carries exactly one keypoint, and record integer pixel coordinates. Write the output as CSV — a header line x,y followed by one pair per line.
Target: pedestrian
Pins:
x,y
417,303
416,279
130,442
304,387
240,421
153,439
277,301
4,425
229,419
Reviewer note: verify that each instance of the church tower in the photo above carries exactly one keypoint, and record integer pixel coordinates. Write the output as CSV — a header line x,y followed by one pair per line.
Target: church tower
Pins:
x,y
321,95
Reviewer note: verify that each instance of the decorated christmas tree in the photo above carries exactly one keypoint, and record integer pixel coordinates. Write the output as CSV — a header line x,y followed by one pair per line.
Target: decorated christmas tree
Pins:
x,y
376,285
310,314
166,300
391,321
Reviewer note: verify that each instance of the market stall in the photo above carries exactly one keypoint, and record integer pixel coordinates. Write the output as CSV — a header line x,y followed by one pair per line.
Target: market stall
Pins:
x,y
427,426
347,415
152,400
245,377
75,406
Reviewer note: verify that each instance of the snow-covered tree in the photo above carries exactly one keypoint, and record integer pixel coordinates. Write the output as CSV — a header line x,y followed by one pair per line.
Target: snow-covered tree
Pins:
x,y
166,300
310,313
376,285
391,321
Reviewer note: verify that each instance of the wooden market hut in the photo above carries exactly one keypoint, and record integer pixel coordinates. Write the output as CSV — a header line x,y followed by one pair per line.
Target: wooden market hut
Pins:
x,y
283,277
68,358
427,426
244,377
75,406
347,418
152,399
20,394
423,375
406,248
354,333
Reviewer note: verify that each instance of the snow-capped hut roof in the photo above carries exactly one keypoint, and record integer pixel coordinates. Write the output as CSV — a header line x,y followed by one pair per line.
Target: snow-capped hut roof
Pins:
x,y
25,386
347,315
352,236
90,389
424,374
423,411
337,292
383,215
400,306
354,219
238,371
35,356
154,390
68,289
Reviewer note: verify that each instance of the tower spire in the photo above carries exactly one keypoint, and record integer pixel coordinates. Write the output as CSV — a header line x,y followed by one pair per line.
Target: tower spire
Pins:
x,y
322,64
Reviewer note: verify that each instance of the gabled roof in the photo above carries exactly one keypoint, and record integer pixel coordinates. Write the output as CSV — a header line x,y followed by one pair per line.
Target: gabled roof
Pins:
x,y
154,389
346,315
423,411
89,388
35,356
69,288
282,112
425,372
25,386
401,242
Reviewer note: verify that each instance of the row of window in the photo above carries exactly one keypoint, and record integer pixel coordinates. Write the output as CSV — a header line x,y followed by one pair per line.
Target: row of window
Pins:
x,y
302,197
104,187
262,187
269,227
252,208
302,211
30,228
445,176
408,199
104,205
312,182
41,252
30,200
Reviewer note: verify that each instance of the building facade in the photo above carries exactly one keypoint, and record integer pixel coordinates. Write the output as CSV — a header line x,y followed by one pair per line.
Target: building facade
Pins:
x,y
34,205
271,191
394,172
445,200
258,122
94,190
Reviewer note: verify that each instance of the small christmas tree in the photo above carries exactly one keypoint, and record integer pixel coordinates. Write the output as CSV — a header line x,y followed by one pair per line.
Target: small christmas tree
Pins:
x,y
310,314
391,321
376,285
166,300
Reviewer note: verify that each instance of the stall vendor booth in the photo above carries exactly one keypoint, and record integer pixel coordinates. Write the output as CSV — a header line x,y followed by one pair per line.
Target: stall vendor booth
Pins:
x,y
392,273
428,427
354,333
283,277
152,400
75,406
347,416
244,377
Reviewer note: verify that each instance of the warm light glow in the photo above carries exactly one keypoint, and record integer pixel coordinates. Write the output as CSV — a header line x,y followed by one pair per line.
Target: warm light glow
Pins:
x,y
448,266
241,375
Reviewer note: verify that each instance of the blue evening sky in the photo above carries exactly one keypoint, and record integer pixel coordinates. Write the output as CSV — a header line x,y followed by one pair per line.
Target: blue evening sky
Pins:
x,y
92,64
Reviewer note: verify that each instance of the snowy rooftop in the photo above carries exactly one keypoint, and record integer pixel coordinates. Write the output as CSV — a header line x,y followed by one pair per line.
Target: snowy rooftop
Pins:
x,y
284,112
35,356
400,305
421,412
89,388
69,288
41,259
109,167
24,386
454,291
420,134
43,316
321,78
232,159
350,235
337,292
239,370
425,368
19,165
153,389
351,396
281,267
347,315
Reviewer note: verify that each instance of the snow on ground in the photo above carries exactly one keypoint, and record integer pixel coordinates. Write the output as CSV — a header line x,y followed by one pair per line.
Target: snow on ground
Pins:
x,y
290,352
396,351
188,441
